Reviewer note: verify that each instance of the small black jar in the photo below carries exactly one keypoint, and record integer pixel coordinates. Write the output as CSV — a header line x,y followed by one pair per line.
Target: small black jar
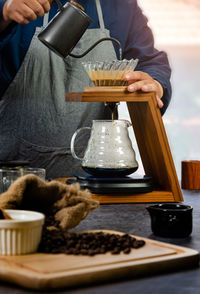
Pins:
x,y
171,220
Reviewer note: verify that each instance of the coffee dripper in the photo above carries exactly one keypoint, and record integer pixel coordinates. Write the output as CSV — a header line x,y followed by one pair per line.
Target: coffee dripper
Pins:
x,y
66,28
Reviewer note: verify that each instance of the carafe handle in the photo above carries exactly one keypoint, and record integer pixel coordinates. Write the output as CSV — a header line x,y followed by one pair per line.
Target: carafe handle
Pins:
x,y
73,141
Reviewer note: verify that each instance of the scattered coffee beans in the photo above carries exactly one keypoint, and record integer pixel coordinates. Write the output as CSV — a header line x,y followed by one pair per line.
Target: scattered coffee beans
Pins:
x,y
91,243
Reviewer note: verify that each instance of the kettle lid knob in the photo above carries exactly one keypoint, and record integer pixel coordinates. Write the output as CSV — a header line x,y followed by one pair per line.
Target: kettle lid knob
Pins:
x,y
77,5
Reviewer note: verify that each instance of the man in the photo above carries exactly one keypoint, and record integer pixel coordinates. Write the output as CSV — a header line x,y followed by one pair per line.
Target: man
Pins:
x,y
35,121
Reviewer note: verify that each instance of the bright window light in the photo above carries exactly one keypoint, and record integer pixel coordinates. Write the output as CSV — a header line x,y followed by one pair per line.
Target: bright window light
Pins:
x,y
173,22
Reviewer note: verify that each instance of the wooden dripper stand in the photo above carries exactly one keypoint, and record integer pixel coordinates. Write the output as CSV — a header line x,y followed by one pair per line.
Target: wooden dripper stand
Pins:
x,y
151,139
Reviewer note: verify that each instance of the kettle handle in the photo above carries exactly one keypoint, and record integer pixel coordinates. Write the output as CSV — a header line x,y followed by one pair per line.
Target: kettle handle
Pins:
x,y
73,141
58,3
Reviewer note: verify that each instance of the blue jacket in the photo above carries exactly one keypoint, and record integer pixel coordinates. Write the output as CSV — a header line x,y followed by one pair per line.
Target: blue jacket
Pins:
x,y
126,23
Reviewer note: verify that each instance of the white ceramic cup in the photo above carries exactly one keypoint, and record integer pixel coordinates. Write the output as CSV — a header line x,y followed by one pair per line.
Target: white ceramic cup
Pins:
x,y
21,234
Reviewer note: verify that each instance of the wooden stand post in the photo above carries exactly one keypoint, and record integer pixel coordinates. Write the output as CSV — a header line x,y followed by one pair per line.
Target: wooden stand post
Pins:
x,y
151,139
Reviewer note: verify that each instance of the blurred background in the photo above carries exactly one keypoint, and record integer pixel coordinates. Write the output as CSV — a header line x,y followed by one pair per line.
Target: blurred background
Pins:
x,y
176,28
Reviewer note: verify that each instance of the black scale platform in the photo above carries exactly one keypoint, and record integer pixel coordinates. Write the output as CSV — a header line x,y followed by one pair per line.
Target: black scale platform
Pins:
x,y
114,185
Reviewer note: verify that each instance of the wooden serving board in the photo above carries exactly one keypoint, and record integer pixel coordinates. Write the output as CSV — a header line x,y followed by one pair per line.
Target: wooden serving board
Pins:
x,y
52,271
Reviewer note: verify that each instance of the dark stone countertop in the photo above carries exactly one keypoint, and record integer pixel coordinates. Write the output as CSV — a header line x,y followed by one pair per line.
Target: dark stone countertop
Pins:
x,y
134,219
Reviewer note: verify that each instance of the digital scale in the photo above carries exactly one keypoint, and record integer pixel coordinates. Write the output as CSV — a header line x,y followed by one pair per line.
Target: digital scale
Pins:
x,y
114,185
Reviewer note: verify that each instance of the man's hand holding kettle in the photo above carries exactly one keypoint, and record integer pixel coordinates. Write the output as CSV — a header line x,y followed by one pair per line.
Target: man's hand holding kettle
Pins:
x,y
23,11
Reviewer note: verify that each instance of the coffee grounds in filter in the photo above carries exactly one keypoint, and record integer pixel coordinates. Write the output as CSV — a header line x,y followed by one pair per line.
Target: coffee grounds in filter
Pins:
x,y
109,73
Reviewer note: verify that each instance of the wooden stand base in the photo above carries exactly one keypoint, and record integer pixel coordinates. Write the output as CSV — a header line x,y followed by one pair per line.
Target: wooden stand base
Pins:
x,y
154,196
151,139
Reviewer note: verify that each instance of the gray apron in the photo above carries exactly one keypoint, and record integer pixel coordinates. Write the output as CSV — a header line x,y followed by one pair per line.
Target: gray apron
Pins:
x,y
36,123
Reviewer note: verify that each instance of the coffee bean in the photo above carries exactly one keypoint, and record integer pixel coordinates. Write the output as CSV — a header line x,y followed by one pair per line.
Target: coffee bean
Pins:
x,y
127,250
91,252
102,250
140,243
116,250
57,241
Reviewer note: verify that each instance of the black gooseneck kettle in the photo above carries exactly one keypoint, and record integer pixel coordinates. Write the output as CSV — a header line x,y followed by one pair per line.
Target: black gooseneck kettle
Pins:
x,y
66,28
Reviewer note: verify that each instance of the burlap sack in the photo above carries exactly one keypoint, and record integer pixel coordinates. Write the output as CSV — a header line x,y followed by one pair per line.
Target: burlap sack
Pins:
x,y
68,203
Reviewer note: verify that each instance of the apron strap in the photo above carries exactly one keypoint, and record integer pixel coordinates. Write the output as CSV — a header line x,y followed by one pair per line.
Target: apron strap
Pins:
x,y
45,19
100,14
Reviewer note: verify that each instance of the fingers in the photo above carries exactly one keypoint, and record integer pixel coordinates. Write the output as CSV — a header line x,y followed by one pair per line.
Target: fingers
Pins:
x,y
38,6
134,76
26,14
144,82
23,11
160,103
144,85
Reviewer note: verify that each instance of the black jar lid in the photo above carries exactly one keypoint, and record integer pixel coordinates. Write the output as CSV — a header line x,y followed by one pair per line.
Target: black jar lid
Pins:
x,y
14,163
169,208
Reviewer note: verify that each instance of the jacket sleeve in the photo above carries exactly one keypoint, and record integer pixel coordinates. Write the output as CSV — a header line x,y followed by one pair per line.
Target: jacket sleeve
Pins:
x,y
1,7
140,44
9,31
